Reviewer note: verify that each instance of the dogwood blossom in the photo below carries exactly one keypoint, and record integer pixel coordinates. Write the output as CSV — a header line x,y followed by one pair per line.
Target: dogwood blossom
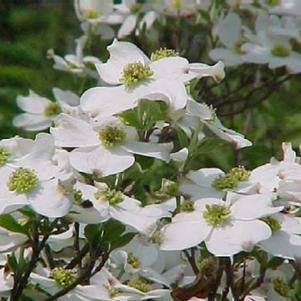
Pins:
x,y
227,227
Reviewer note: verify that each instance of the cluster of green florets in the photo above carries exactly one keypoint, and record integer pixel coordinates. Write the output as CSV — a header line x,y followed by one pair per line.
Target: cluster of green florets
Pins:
x,y
162,53
140,284
273,2
90,14
133,260
52,109
135,72
63,277
22,180
272,222
231,179
112,196
240,173
77,195
280,50
216,215
281,287
4,156
135,8
187,206
113,292
111,136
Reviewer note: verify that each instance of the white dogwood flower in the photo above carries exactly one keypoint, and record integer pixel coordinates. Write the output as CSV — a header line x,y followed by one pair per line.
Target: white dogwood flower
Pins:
x,y
227,227
106,148
111,203
213,182
76,63
229,31
285,241
40,112
32,180
205,114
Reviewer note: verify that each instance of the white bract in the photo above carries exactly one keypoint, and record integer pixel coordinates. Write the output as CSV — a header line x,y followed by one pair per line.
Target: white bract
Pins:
x,y
105,148
227,227
33,180
40,112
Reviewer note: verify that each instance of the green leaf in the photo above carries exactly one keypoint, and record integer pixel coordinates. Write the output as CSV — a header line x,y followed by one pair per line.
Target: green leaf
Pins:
x,y
12,262
93,234
122,240
145,115
9,223
274,263
112,230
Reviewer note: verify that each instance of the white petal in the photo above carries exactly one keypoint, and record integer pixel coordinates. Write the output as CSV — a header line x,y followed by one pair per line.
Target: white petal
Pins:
x,y
65,97
50,200
183,235
102,161
33,103
235,138
40,158
155,150
127,26
73,132
170,67
227,56
121,54
253,206
204,176
103,102
32,122
237,236
266,176
229,30
283,244
171,91
216,71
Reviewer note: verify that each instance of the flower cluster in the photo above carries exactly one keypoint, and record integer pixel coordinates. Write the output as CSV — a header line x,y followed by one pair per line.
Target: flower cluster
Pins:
x,y
111,202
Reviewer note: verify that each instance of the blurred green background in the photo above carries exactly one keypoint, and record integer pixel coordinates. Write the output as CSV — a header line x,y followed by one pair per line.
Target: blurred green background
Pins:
x,y
29,28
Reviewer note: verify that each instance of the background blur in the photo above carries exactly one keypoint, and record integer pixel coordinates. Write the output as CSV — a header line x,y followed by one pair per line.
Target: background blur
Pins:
x,y
29,28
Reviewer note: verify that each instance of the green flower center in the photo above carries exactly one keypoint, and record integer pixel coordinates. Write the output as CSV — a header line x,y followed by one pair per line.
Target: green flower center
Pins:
x,y
135,72
187,206
22,180
272,222
230,180
281,287
237,47
111,136
240,173
77,195
112,196
52,109
63,277
90,14
226,181
4,156
176,4
273,2
216,215
140,284
169,187
135,8
133,261
161,53
113,292
280,50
